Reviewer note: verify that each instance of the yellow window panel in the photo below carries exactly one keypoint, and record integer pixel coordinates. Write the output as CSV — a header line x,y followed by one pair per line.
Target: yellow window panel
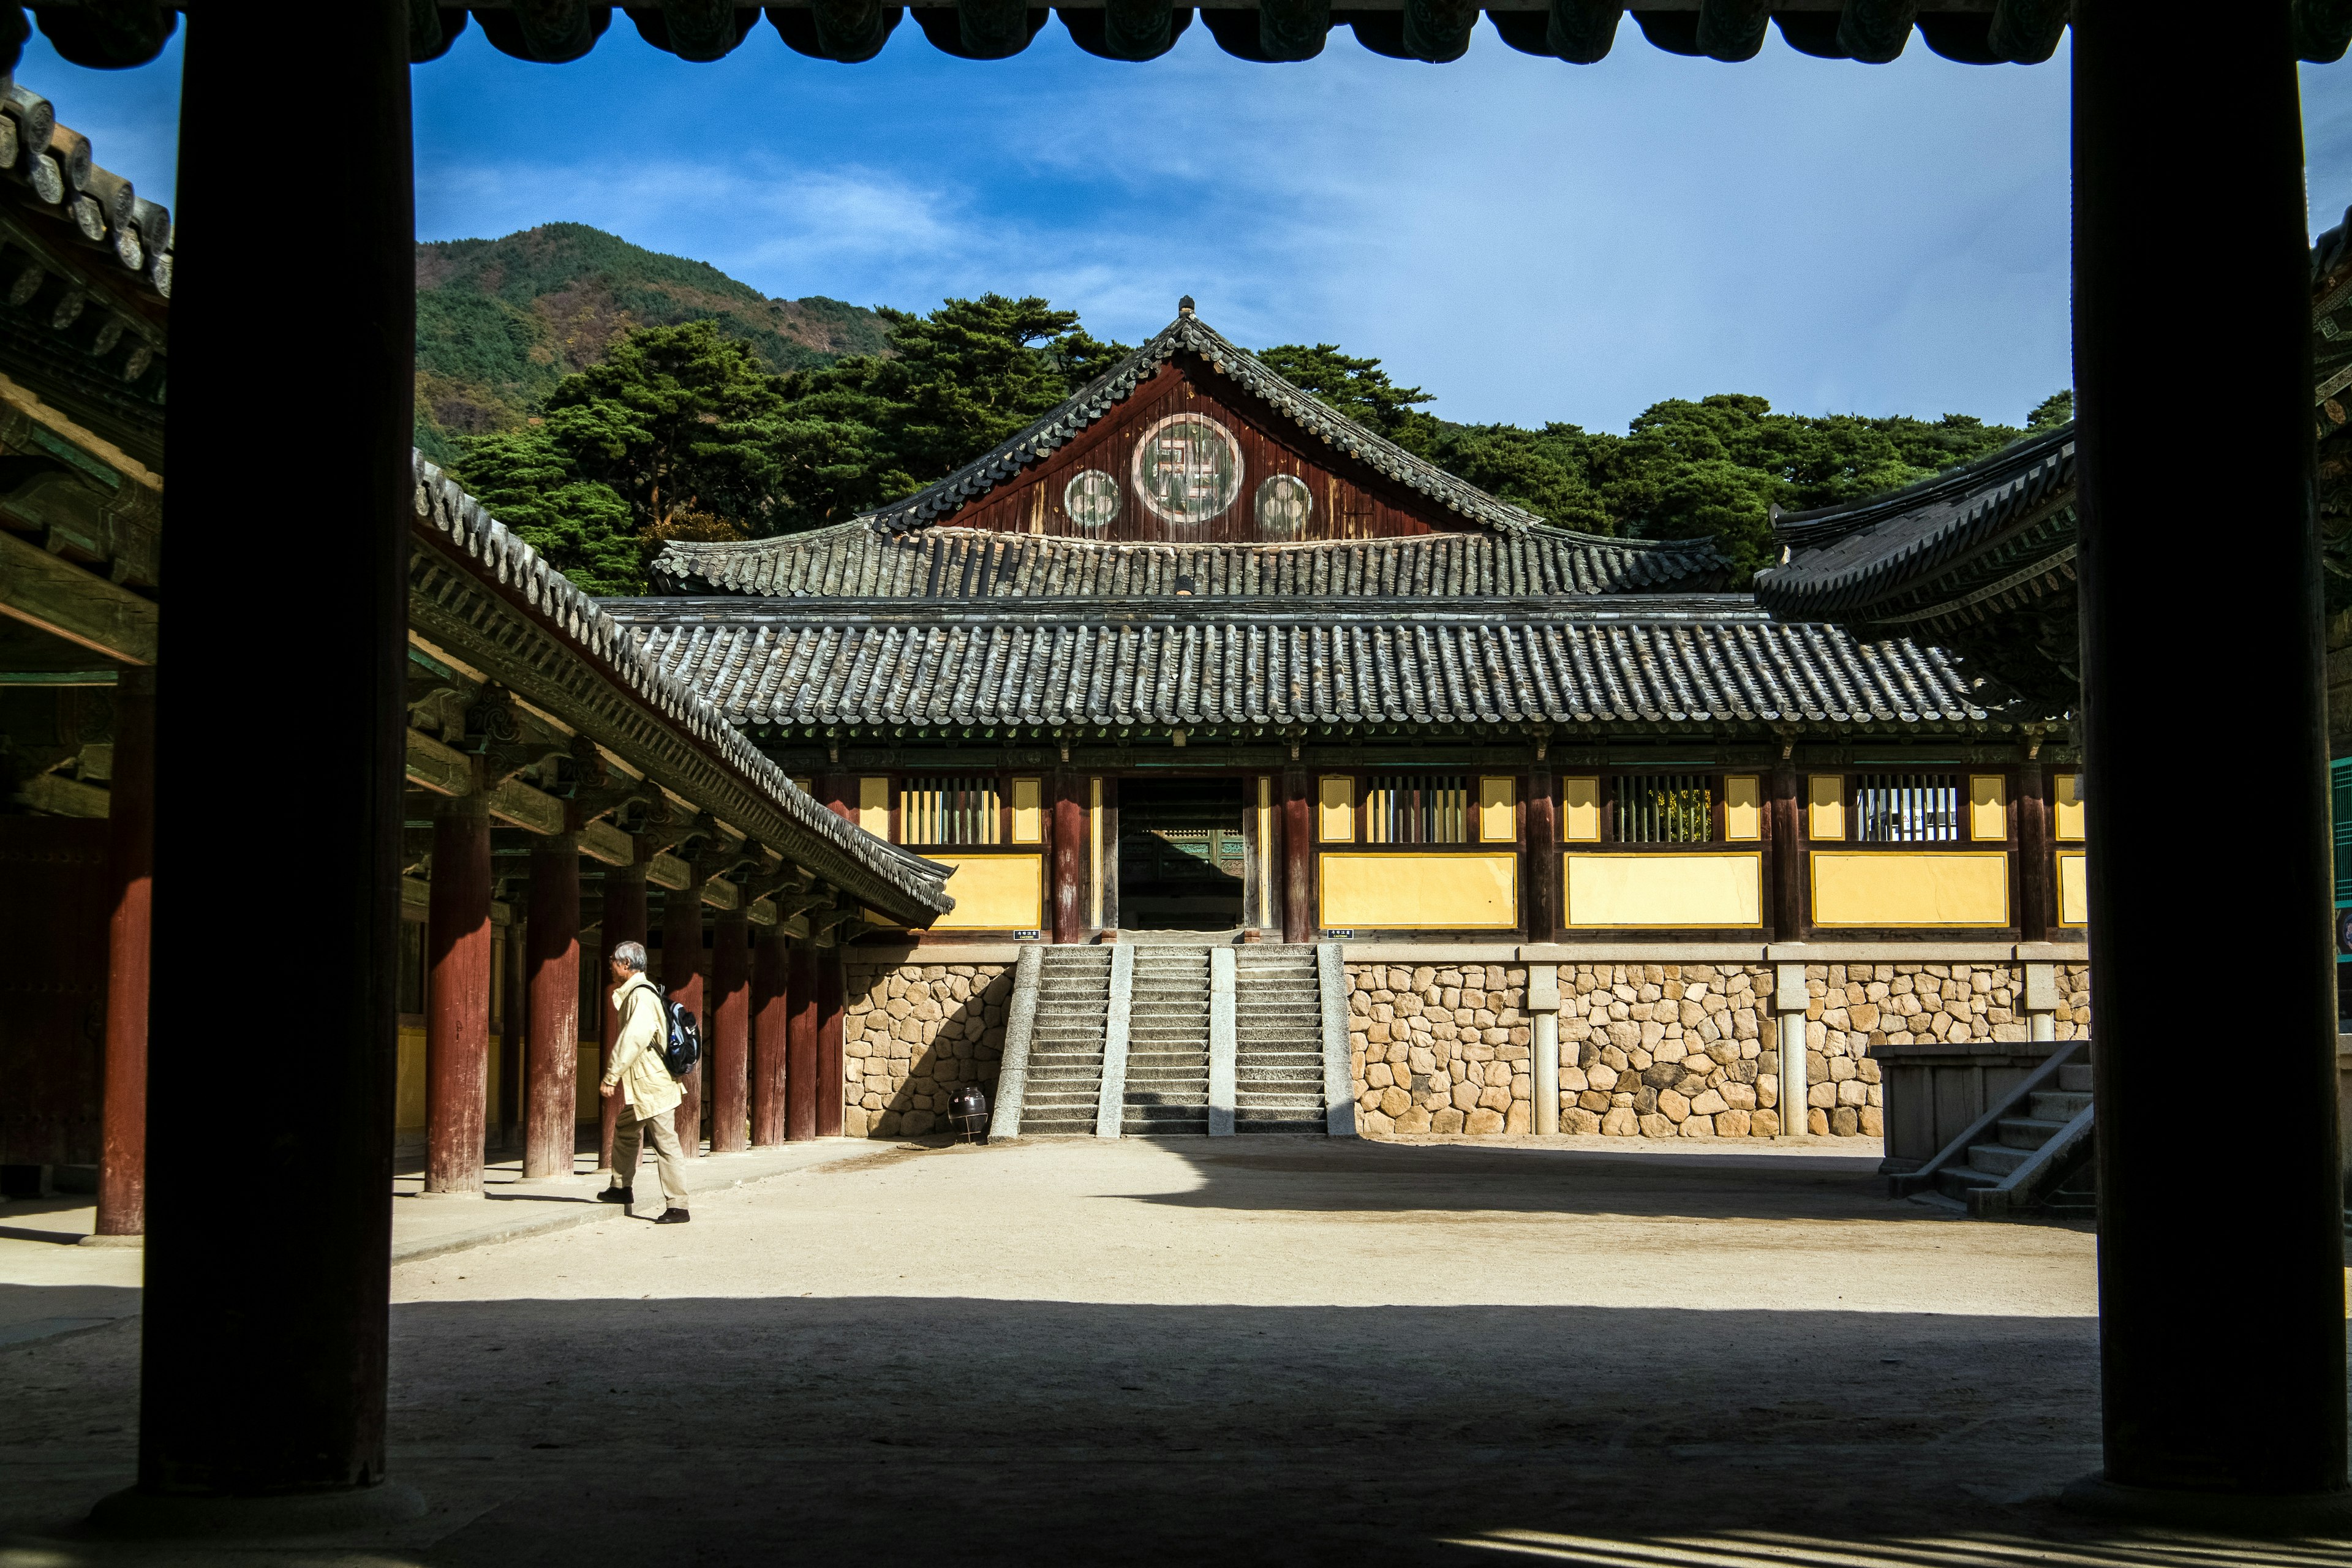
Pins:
x,y
1989,808
874,807
1825,806
2073,889
1456,891
1743,808
1609,891
2067,807
1898,888
1028,811
1579,810
1335,814
1499,814
994,892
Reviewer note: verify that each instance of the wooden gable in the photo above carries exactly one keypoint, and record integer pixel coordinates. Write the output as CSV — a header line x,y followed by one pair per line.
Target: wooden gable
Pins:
x,y
1191,458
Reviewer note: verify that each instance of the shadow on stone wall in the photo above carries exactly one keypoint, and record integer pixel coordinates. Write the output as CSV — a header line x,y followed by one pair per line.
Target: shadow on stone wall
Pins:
x,y
912,1036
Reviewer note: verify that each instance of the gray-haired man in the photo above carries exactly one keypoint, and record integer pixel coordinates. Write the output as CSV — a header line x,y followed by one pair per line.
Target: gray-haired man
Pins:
x,y
648,1094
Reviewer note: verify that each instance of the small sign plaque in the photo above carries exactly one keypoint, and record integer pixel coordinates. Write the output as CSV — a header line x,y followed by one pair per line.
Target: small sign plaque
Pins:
x,y
1347,934
1026,935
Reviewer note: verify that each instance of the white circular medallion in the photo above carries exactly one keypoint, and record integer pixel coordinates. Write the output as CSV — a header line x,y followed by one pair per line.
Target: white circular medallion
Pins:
x,y
1091,499
1283,505
1188,469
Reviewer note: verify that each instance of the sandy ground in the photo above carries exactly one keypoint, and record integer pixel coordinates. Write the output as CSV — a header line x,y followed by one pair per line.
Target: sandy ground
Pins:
x,y
1276,1351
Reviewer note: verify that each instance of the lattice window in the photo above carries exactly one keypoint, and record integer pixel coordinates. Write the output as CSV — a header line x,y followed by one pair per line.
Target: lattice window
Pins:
x,y
948,811
1906,808
1664,808
1419,808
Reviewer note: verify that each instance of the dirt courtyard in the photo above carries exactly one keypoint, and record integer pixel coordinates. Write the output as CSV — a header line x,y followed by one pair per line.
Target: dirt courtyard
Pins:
x,y
1264,1350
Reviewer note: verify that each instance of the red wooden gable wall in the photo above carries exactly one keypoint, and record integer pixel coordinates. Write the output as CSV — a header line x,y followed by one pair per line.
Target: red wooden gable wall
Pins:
x,y
1349,500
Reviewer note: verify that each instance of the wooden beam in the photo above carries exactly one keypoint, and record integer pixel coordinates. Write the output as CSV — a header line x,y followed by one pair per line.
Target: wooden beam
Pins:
x,y
61,797
443,769
602,841
721,894
82,607
519,804
670,872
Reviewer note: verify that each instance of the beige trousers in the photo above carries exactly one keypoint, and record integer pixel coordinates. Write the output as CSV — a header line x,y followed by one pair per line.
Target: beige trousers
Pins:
x,y
669,1159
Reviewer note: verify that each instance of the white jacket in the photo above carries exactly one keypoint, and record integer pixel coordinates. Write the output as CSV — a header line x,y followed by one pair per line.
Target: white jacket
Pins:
x,y
637,1067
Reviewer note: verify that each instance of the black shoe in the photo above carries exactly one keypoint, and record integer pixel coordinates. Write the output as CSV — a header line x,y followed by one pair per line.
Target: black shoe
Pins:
x,y
673,1216
617,1196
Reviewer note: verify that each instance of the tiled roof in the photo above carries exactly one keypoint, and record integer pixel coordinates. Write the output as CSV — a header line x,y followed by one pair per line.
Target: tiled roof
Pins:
x,y
1695,660
826,844
1188,333
862,560
1855,562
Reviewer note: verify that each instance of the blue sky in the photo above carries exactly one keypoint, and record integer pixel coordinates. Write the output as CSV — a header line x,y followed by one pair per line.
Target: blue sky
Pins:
x,y
1527,239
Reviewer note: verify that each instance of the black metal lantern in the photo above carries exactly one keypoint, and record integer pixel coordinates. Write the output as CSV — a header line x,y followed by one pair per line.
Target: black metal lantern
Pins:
x,y
969,1110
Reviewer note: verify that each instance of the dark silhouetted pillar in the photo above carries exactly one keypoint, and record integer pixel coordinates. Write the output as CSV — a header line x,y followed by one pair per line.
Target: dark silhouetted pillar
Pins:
x,y
263,1366
2204,123
130,866
1543,859
2036,868
681,978
551,1050
458,997
771,1006
731,1032
1788,858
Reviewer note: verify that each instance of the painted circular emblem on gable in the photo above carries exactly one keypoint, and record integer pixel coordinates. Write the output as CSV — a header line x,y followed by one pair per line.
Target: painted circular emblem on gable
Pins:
x,y
1092,500
1283,505
1188,469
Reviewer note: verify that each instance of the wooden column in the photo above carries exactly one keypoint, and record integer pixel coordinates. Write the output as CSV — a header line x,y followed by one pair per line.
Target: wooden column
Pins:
x,y
829,1071
458,997
2159,108
1543,858
262,1369
731,1032
624,921
682,979
513,1027
1298,857
551,1100
1069,857
771,1005
2035,866
1788,858
800,1043
131,857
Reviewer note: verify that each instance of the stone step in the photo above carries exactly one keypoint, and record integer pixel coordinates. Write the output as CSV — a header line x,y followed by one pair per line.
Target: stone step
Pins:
x,y
1304,1126
2063,1105
1997,1160
1955,1180
2028,1132
2075,1077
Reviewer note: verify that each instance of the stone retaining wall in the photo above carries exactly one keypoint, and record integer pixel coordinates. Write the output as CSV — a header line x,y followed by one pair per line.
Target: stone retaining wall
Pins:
x,y
913,1033
1665,1050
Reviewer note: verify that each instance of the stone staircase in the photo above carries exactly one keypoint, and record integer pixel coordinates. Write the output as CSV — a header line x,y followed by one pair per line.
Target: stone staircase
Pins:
x,y
1065,1045
2017,1139
1278,1040
2030,1153
1167,1042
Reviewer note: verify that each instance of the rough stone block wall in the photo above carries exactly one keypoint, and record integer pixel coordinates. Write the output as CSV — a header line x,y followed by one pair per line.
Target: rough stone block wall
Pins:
x,y
914,1034
1665,1050
1440,1049
1851,1008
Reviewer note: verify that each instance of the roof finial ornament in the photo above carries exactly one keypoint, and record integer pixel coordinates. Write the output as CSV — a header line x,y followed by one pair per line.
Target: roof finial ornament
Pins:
x,y
1184,306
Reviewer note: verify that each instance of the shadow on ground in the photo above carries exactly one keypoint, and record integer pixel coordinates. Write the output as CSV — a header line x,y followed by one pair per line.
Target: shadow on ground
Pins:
x,y
954,1430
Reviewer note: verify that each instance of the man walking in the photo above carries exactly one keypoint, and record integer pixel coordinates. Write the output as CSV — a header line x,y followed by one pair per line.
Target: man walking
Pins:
x,y
648,1094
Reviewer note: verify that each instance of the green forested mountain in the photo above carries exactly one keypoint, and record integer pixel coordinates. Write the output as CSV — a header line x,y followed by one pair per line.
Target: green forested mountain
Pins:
x,y
501,322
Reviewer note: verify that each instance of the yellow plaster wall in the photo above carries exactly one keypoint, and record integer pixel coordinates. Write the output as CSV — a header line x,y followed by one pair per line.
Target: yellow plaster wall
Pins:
x,y
1910,887
1420,892
874,805
993,892
1579,810
1743,808
584,1101
1702,891
1335,810
1987,807
408,1083
1028,811
1498,815
1825,806
2073,889
2067,807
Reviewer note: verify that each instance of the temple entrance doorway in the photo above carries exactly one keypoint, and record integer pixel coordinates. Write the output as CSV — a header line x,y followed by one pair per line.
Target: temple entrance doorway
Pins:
x,y
1183,855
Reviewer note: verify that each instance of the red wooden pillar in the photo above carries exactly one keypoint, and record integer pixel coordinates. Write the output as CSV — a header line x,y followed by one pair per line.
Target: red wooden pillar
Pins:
x,y
838,794
1788,908
1297,859
624,921
682,979
2035,866
1069,857
457,999
801,1044
769,1010
1543,859
829,1070
131,855
731,1032
550,1099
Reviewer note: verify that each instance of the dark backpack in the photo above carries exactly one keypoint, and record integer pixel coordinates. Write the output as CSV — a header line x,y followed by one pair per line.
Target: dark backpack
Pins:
x,y
682,1036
